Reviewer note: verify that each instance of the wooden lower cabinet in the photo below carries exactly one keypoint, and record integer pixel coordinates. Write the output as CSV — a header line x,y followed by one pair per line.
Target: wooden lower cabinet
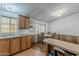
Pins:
x,y
11,46
29,41
4,47
15,45
23,42
26,42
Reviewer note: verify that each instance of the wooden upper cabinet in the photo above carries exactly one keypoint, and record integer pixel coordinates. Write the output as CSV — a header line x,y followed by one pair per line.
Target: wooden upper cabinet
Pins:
x,y
15,45
4,47
27,22
23,22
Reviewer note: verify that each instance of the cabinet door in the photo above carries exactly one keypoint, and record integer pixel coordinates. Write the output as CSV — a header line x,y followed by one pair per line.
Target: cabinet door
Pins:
x,y
15,45
29,41
23,42
27,22
4,47
23,22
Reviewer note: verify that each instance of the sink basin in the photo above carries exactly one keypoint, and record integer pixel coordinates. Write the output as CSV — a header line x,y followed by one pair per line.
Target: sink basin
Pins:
x,y
4,36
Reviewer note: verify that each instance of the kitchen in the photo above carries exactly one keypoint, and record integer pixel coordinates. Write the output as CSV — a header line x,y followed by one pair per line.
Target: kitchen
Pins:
x,y
39,29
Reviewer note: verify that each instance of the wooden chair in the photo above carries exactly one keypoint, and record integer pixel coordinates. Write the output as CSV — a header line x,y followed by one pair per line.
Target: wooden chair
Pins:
x,y
40,37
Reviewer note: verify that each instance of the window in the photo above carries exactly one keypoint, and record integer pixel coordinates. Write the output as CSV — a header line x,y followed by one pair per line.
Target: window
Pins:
x,y
40,28
7,25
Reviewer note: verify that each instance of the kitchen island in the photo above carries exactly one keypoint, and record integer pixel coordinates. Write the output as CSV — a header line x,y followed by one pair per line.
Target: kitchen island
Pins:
x,y
66,46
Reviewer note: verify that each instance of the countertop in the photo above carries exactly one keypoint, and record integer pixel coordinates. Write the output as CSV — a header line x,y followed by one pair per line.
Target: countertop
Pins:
x,y
12,36
70,47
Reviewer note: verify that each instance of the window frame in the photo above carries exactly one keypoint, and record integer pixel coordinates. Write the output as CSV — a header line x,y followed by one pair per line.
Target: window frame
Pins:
x,y
9,25
40,26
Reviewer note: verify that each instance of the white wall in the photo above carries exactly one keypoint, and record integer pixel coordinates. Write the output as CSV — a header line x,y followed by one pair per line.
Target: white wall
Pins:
x,y
68,25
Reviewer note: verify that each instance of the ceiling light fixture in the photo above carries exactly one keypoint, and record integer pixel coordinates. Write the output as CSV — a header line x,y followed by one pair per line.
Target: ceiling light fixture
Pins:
x,y
60,13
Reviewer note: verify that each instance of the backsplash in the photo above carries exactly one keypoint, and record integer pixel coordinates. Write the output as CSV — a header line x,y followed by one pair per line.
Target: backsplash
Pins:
x,y
26,31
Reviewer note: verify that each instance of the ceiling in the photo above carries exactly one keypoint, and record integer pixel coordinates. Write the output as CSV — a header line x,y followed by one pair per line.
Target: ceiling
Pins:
x,y
41,11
